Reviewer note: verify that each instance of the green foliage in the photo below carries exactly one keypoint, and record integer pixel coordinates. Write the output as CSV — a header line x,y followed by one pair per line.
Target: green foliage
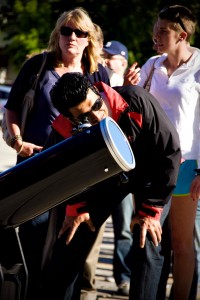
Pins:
x,y
27,29
28,23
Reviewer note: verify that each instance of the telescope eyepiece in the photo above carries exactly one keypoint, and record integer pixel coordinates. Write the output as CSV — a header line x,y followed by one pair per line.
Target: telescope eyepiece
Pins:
x,y
81,126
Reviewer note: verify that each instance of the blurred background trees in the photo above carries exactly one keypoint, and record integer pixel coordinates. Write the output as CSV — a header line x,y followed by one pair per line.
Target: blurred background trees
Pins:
x,y
25,25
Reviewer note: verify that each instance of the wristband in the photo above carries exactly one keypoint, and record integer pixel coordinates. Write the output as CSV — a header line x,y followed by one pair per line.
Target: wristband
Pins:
x,y
150,212
75,209
14,139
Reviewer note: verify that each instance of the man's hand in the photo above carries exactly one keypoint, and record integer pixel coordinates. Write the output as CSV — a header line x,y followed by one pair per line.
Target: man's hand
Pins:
x,y
147,225
132,75
72,223
195,188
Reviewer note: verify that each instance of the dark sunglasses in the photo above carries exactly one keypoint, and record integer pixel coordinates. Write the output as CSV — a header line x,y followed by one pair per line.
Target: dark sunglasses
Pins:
x,y
95,107
172,14
67,31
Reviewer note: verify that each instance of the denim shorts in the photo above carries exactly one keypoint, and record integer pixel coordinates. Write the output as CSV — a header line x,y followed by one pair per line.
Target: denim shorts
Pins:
x,y
185,177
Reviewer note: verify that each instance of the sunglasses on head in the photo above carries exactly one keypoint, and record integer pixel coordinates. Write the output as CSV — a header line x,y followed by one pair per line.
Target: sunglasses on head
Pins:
x,y
173,15
95,107
67,31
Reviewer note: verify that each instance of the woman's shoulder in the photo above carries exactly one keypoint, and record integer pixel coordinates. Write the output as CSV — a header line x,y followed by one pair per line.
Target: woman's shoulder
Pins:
x,y
26,76
156,59
153,62
36,59
32,65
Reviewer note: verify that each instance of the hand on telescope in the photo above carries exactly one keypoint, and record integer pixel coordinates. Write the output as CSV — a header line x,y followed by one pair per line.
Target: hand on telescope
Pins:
x,y
72,223
150,225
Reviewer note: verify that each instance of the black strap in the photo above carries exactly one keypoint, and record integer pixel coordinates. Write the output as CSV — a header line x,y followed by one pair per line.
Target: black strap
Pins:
x,y
40,71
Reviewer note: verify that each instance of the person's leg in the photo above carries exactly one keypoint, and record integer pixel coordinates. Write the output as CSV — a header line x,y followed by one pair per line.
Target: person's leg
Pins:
x,y
147,264
183,212
121,217
196,277
197,240
88,290
182,216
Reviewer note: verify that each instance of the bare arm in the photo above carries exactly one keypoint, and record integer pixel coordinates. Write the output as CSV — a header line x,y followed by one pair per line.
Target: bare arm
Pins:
x,y
23,148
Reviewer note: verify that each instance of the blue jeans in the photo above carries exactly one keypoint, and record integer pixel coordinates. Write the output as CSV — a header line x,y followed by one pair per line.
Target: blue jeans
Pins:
x,y
147,265
121,217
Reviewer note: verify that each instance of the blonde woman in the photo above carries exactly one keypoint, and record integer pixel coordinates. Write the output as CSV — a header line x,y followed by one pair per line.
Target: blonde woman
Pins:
x,y
72,47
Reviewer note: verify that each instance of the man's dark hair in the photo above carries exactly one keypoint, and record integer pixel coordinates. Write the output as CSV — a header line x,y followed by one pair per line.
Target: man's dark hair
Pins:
x,y
70,90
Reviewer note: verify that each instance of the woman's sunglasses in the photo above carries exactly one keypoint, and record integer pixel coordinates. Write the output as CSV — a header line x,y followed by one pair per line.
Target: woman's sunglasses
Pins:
x,y
67,31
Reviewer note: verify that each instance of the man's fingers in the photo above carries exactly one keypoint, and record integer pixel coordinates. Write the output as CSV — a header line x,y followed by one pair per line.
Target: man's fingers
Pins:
x,y
148,225
72,223
60,233
90,224
62,230
156,234
71,234
155,238
154,231
143,233
159,236
75,227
